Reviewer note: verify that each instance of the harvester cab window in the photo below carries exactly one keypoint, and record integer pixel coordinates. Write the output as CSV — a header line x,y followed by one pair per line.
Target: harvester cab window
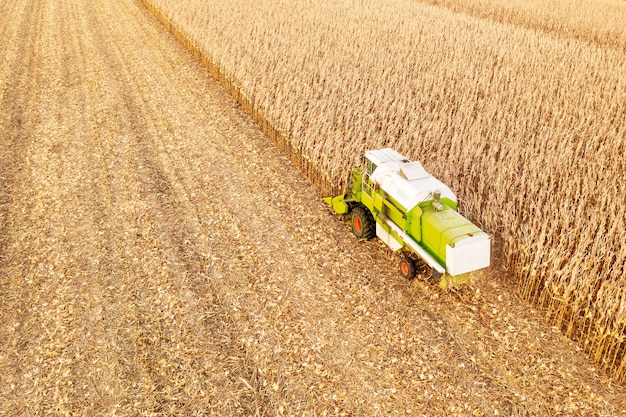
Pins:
x,y
370,167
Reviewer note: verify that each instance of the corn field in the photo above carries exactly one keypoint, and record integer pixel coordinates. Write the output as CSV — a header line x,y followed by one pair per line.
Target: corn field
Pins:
x,y
598,21
526,125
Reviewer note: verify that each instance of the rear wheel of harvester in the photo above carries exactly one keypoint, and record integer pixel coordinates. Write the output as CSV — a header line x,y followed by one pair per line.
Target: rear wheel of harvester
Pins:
x,y
407,267
363,223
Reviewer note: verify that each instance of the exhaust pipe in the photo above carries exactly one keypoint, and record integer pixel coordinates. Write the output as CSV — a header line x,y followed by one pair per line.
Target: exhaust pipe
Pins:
x,y
436,203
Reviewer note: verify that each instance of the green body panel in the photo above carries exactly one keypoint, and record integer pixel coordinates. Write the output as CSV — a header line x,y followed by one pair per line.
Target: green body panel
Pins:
x,y
414,223
366,200
357,178
339,204
378,202
394,213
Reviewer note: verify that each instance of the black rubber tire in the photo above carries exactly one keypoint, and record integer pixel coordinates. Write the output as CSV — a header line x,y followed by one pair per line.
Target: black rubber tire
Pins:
x,y
363,223
407,267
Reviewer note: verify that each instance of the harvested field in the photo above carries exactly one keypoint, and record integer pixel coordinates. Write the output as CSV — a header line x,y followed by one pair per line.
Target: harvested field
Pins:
x,y
159,256
521,115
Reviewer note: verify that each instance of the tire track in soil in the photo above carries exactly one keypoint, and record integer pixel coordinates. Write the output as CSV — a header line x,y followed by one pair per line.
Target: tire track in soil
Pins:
x,y
42,201
18,116
17,94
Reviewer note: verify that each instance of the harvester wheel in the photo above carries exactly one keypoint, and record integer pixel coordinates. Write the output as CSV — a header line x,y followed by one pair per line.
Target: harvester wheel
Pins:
x,y
363,223
407,267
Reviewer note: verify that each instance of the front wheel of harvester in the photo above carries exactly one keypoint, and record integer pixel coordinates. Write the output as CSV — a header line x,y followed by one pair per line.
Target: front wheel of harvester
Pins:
x,y
407,267
363,223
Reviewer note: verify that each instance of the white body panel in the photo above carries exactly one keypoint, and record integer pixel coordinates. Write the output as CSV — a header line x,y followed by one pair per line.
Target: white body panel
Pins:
x,y
387,238
406,182
470,254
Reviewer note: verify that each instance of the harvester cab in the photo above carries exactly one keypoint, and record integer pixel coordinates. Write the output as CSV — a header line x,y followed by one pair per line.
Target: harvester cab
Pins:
x,y
412,212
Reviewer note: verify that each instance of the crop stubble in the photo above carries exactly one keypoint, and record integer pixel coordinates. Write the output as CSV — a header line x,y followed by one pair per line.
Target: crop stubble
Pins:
x,y
160,257
527,127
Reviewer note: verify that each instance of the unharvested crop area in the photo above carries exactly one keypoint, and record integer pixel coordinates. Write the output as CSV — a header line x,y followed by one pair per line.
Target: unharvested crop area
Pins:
x,y
159,256
520,112
597,21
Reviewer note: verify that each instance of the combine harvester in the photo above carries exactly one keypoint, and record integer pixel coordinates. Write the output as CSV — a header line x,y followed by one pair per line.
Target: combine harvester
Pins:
x,y
415,214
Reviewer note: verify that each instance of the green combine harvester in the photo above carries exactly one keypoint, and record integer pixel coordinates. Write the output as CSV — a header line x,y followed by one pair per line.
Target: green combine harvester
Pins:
x,y
413,213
